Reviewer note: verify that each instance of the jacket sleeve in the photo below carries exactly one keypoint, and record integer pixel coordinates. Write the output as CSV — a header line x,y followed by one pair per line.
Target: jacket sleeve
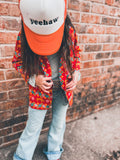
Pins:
x,y
17,61
77,51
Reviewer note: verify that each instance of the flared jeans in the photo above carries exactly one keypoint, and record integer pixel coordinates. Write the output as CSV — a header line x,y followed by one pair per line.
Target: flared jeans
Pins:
x,y
30,135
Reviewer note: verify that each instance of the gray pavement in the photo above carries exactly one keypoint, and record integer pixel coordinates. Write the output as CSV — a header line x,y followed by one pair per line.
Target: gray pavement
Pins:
x,y
89,138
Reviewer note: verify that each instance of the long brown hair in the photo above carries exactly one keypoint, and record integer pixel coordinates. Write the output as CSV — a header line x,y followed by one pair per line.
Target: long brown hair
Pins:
x,y
31,61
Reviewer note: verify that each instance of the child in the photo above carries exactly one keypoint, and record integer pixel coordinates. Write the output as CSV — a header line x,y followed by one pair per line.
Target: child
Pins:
x,y
48,58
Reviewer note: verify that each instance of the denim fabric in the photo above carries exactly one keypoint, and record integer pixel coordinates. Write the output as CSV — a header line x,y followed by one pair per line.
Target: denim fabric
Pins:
x,y
29,138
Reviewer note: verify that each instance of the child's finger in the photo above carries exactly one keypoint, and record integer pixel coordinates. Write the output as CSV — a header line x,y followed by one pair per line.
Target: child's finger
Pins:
x,y
46,87
47,78
72,88
48,84
46,91
69,84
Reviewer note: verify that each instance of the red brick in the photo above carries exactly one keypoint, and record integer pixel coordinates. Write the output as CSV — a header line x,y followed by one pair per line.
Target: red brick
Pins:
x,y
11,24
107,62
6,63
115,54
12,104
113,30
80,28
87,79
116,74
6,38
5,132
3,9
1,23
18,93
75,17
12,74
3,86
117,61
7,51
118,22
95,29
85,6
111,47
13,121
91,48
109,2
104,76
89,72
109,21
15,84
115,12
2,75
113,3
117,39
5,115
105,39
100,9
113,68
12,137
88,18
74,5
18,127
14,10
9,9
8,144
1,51
103,55
3,106
3,96
20,111
88,39
79,6
91,64
85,57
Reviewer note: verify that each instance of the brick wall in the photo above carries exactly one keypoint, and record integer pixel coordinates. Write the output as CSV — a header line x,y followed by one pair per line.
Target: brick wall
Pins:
x,y
97,23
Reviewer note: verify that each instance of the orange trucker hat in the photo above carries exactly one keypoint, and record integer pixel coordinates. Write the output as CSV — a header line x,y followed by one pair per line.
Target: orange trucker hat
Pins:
x,y
43,22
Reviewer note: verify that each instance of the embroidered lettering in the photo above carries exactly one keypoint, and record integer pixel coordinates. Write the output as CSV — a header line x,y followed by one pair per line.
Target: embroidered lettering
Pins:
x,y
44,22
32,21
55,20
40,22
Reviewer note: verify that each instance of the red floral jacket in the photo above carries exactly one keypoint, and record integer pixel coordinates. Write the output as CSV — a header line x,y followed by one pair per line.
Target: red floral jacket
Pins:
x,y
38,99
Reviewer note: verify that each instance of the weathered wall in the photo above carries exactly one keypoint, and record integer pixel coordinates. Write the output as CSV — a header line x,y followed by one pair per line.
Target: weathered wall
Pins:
x,y
97,23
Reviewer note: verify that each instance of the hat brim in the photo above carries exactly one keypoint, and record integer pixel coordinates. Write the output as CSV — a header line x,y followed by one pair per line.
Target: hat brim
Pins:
x,y
44,44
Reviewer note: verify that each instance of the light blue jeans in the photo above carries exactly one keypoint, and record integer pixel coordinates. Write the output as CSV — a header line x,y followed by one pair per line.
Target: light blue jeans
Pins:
x,y
30,135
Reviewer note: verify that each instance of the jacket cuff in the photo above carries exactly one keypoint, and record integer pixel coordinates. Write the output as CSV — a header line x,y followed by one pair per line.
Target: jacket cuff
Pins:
x,y
79,74
32,80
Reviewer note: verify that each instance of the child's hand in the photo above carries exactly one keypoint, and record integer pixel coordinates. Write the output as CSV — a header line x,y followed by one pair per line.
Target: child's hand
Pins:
x,y
43,82
72,84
